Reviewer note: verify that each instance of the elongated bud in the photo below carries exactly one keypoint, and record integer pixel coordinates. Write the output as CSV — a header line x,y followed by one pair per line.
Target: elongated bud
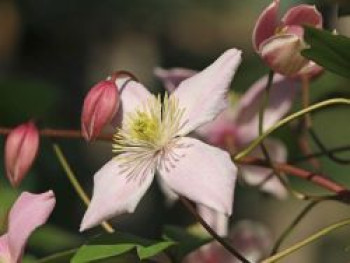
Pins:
x,y
100,105
21,148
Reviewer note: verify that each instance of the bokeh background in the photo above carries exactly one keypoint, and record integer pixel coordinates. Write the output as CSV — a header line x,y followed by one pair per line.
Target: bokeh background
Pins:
x,y
52,52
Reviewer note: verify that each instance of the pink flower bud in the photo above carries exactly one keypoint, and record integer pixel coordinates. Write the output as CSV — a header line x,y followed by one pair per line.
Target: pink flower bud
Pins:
x,y
20,151
100,105
279,42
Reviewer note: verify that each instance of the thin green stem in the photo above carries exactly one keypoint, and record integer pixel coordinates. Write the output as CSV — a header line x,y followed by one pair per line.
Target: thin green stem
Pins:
x,y
306,241
293,225
324,149
281,123
339,149
75,183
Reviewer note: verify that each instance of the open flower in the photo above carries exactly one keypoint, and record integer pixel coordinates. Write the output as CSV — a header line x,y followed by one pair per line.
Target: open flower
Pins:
x,y
28,213
279,43
237,126
153,137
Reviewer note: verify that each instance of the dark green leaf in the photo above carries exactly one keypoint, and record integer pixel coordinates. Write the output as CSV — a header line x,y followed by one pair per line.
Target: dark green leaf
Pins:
x,y
329,51
61,257
186,241
107,246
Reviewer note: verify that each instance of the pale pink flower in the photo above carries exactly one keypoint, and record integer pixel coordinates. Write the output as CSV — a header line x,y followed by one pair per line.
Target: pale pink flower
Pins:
x,y
153,137
279,42
237,126
251,239
28,213
21,148
100,105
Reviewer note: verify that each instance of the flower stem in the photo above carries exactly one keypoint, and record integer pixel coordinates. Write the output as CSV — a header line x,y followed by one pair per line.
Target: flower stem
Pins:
x,y
219,239
306,241
281,123
75,183
292,226
318,179
59,133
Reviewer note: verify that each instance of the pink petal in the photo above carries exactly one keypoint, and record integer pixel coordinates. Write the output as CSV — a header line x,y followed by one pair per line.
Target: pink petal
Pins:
x,y
171,78
116,191
254,175
220,131
203,96
29,212
311,70
200,172
216,220
170,196
132,95
303,15
266,24
5,254
282,54
280,101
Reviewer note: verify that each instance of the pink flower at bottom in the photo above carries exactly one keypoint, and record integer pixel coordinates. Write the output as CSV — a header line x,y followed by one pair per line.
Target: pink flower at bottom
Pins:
x,y
28,213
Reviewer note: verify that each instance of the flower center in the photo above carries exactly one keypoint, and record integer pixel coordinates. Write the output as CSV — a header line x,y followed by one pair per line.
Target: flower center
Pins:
x,y
150,127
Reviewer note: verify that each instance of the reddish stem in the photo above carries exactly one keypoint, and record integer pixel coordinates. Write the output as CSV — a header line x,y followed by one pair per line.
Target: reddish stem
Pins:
x,y
316,178
68,134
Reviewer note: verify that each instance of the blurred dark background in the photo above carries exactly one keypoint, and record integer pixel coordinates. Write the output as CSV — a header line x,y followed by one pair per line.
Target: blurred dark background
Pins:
x,y
52,52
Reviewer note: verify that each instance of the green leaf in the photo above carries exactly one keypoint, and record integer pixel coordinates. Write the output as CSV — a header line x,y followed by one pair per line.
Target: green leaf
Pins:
x,y
107,246
61,257
329,51
187,241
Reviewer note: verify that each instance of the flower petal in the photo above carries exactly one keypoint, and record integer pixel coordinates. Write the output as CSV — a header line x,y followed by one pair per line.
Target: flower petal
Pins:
x,y
282,54
116,191
303,15
171,197
171,78
203,96
29,212
266,24
132,95
280,101
216,220
254,175
200,172
219,131
5,254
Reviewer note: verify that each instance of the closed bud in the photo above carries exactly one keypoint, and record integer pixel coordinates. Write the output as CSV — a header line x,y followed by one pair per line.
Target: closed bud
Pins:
x,y
21,148
100,105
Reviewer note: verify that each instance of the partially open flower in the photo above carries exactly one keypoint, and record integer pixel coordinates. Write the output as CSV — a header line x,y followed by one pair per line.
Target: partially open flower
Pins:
x,y
279,43
28,213
100,106
21,148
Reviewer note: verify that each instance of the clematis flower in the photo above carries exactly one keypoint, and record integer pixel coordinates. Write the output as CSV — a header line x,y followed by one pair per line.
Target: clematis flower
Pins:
x,y
100,105
279,43
154,137
251,239
237,126
28,213
21,148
